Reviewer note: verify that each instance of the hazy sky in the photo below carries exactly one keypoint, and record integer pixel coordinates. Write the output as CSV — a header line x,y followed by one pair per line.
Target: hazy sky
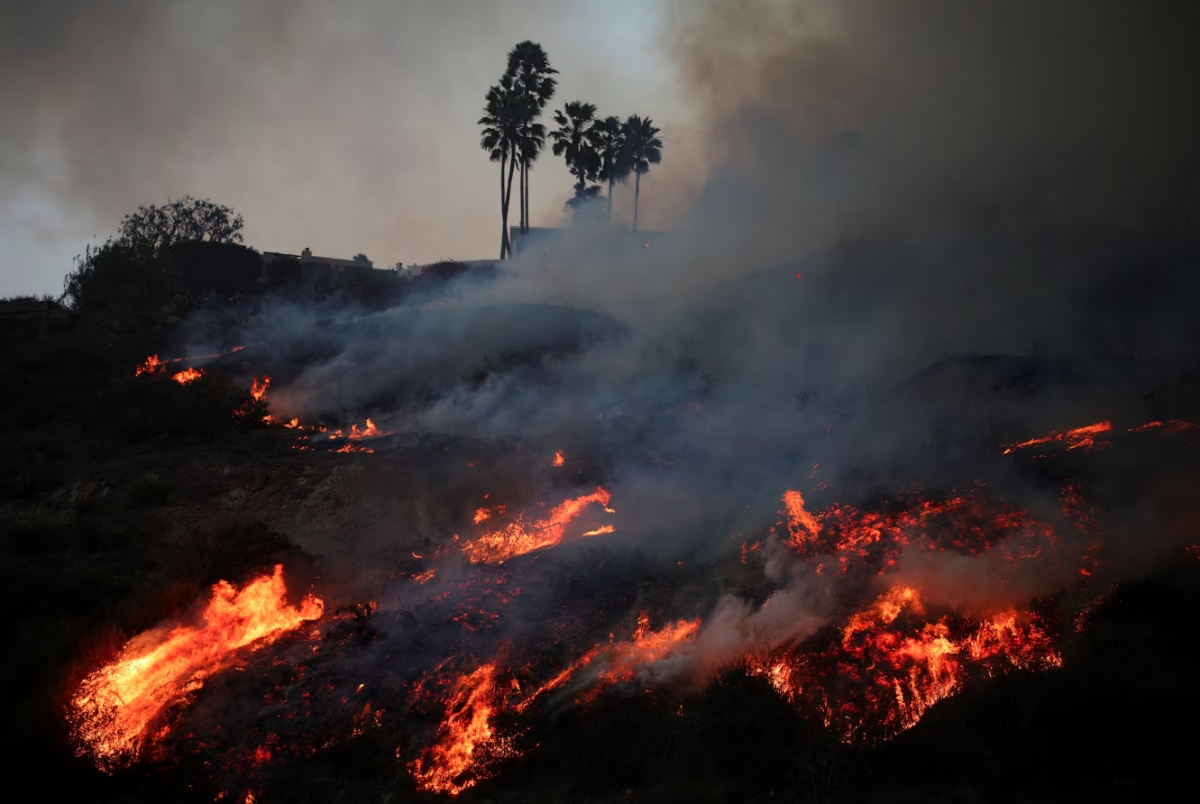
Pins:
x,y
795,124
341,127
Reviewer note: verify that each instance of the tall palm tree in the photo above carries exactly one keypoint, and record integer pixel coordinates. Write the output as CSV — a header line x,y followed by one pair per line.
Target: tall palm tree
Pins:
x,y
506,113
573,141
531,71
644,149
608,138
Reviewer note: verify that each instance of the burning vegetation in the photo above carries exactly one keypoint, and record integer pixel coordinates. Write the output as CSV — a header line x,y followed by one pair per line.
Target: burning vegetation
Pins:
x,y
118,708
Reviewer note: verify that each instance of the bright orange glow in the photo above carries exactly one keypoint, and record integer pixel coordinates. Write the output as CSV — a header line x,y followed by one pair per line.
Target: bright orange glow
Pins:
x,y
559,460
802,526
625,659
1080,438
519,537
466,740
188,376
258,388
152,365
114,707
893,664
600,531
370,431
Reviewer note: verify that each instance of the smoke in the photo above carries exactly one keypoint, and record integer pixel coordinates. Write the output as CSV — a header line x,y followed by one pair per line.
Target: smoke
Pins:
x,y
925,229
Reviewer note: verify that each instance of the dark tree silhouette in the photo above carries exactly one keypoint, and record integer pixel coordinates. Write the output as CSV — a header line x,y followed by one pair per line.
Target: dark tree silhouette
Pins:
x,y
608,138
507,112
573,140
644,149
530,68
186,220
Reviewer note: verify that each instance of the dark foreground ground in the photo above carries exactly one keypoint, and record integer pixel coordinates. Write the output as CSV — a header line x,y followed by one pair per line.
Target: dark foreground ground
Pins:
x,y
122,501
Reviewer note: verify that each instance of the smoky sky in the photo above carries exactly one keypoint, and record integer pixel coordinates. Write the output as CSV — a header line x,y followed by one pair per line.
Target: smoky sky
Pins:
x,y
790,124
343,128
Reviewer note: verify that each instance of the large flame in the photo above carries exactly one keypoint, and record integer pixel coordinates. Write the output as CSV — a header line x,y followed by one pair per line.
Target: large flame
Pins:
x,y
188,376
466,738
624,660
519,537
892,663
116,705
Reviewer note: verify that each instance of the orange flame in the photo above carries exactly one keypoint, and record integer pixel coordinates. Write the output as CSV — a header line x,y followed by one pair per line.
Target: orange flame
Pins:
x,y
152,365
258,388
647,647
114,707
890,670
559,460
466,740
802,526
518,537
1080,438
188,376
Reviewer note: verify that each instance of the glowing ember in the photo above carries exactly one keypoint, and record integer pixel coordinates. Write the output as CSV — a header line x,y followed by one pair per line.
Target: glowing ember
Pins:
x,y
559,460
520,537
188,376
1080,438
113,709
600,531
466,741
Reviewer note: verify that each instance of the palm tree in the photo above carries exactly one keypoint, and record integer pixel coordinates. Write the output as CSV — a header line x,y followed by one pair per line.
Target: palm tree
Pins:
x,y
530,68
608,138
644,149
505,114
573,141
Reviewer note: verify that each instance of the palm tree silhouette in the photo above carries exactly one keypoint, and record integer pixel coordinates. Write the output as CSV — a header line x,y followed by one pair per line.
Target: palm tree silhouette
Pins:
x,y
506,114
530,68
573,140
608,138
644,149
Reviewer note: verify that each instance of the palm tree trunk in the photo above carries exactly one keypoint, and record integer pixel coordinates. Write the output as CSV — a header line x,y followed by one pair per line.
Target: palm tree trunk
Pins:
x,y
512,169
527,166
503,214
521,199
637,191
610,184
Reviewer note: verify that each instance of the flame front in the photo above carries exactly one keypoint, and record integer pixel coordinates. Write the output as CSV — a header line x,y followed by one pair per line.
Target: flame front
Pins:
x,y
114,707
892,664
1081,438
519,537
625,659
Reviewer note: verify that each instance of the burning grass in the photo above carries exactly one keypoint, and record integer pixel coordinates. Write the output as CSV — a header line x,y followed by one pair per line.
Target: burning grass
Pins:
x,y
117,708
